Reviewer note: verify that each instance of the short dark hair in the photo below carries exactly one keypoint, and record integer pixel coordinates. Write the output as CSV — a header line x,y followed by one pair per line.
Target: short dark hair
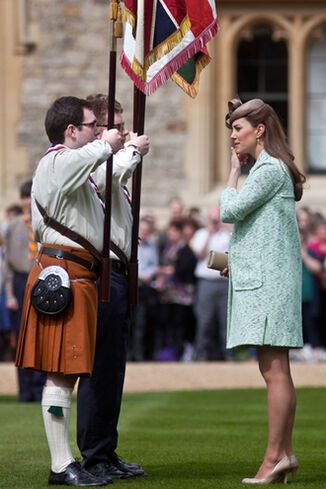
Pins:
x,y
99,103
25,189
64,111
177,223
14,209
190,221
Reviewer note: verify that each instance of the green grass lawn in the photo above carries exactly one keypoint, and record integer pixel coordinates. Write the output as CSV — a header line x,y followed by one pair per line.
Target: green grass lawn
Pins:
x,y
197,440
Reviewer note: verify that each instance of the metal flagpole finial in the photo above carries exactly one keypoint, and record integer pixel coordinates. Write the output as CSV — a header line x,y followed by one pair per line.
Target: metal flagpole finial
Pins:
x,y
115,14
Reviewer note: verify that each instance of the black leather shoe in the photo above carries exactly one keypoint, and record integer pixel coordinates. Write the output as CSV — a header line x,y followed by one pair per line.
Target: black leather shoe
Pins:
x,y
107,471
124,466
74,475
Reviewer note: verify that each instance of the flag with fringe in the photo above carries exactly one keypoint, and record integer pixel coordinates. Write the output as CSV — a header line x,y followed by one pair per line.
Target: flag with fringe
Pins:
x,y
167,39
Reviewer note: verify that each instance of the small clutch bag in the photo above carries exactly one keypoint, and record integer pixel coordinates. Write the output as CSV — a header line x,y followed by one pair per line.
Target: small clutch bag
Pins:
x,y
217,261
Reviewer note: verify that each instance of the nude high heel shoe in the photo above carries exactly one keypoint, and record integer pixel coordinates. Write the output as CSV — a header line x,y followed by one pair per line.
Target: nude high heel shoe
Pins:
x,y
294,465
278,474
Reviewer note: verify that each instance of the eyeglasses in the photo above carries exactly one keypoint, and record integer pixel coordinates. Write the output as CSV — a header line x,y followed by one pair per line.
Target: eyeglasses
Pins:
x,y
89,124
119,127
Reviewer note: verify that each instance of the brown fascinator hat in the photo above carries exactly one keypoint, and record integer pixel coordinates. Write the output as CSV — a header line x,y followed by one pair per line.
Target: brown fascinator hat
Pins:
x,y
237,109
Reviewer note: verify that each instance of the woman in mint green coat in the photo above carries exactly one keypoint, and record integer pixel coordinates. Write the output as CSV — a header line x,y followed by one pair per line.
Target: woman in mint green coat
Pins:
x,y
264,305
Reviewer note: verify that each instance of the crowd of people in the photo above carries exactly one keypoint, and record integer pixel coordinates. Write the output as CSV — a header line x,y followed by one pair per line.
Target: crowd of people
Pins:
x,y
18,248
312,227
181,311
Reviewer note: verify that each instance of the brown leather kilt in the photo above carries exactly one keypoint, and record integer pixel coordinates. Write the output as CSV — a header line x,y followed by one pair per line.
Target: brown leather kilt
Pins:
x,y
64,343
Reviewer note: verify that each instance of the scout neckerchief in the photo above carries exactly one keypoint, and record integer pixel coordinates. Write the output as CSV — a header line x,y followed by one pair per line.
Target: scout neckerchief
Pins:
x,y
55,147
97,191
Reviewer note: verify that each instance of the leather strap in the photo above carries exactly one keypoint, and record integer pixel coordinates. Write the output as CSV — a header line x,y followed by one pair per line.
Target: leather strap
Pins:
x,y
77,238
120,254
65,255
52,223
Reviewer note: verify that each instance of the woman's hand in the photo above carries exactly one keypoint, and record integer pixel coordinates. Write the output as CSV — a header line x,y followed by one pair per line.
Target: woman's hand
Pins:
x,y
225,272
234,170
237,161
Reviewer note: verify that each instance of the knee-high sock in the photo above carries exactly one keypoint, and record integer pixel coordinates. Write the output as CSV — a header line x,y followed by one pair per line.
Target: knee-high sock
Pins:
x,y
57,428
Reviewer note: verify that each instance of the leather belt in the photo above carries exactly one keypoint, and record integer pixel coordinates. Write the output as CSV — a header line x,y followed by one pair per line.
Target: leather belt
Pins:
x,y
118,266
65,255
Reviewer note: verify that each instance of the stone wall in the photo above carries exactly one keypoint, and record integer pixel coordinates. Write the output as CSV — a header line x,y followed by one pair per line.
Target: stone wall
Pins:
x,y
71,58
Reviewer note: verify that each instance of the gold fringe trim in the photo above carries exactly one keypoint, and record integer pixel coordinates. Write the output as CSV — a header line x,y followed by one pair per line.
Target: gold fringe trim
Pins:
x,y
128,16
138,69
192,89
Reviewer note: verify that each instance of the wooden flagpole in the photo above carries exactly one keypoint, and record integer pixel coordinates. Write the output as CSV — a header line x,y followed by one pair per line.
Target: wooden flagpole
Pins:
x,y
138,126
105,279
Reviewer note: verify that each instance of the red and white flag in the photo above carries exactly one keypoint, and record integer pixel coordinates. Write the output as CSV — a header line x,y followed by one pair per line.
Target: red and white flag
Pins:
x,y
167,39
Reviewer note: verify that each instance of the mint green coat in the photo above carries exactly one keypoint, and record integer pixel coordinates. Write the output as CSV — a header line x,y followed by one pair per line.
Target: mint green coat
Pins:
x,y
264,303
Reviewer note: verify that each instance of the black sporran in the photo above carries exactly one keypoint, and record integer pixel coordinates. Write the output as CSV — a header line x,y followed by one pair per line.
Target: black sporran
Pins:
x,y
52,293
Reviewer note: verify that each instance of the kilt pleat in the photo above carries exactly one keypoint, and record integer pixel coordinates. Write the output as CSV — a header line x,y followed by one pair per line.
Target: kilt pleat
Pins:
x,y
64,343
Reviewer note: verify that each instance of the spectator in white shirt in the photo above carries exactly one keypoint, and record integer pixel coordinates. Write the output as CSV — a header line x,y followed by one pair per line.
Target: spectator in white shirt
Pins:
x,y
212,289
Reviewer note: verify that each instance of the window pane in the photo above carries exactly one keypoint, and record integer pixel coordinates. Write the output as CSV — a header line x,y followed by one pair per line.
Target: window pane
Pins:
x,y
263,72
262,63
248,77
316,106
317,77
317,151
276,77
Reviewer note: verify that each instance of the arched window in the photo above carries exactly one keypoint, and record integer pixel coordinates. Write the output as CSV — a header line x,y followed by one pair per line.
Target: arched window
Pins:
x,y
262,69
316,106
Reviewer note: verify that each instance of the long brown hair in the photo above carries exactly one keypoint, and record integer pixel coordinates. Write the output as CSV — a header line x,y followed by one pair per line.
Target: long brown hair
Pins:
x,y
275,141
